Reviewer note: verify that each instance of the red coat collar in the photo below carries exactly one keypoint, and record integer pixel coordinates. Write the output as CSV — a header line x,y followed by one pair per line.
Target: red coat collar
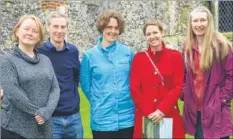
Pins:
x,y
157,53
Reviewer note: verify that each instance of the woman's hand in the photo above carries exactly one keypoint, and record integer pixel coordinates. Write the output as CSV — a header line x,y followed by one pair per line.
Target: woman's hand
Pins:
x,y
39,119
156,116
1,95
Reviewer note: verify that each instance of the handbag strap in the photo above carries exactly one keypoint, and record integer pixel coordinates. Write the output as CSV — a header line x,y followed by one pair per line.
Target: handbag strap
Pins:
x,y
156,69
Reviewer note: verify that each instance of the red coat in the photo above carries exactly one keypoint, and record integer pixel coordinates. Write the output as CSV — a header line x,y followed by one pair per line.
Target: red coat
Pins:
x,y
147,90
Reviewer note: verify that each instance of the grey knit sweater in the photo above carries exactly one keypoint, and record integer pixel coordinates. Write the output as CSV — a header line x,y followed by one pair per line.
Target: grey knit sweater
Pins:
x,y
0,71
30,87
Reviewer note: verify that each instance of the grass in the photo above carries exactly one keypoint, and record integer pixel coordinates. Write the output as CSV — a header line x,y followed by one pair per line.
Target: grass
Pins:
x,y
228,35
85,114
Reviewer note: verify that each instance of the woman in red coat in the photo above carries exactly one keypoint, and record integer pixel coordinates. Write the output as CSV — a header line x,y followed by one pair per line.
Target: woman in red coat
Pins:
x,y
156,88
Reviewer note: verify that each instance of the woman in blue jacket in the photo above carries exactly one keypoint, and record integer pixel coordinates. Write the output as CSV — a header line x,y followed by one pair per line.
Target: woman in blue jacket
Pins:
x,y
105,80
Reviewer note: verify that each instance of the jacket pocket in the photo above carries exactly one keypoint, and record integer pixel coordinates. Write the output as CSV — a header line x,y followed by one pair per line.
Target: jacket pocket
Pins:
x,y
123,65
213,109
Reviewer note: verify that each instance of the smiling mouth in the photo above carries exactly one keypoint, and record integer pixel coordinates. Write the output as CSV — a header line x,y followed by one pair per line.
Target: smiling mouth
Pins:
x,y
29,39
153,40
199,29
113,36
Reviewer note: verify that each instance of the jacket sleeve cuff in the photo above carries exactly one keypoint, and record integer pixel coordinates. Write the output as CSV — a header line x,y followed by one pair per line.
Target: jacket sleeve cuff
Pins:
x,y
225,100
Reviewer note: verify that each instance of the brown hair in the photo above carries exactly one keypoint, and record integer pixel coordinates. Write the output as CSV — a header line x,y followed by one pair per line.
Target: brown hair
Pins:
x,y
152,22
38,24
105,17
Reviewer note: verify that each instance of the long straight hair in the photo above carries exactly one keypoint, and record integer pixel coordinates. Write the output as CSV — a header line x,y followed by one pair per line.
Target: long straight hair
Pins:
x,y
214,42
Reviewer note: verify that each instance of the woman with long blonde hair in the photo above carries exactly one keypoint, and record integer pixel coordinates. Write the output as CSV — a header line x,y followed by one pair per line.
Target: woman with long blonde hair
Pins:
x,y
208,88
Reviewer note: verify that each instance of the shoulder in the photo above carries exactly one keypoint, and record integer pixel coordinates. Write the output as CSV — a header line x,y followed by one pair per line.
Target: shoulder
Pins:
x,y
173,53
125,49
72,46
42,49
8,60
9,56
43,57
45,60
139,55
123,46
43,46
90,51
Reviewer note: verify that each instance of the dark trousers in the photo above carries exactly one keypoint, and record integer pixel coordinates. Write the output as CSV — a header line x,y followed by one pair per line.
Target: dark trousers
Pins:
x,y
126,133
6,134
199,133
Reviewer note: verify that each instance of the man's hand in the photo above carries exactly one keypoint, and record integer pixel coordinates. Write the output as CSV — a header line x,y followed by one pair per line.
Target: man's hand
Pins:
x,y
39,119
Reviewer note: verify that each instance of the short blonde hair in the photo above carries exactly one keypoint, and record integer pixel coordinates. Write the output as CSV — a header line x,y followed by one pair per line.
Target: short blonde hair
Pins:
x,y
104,19
152,22
38,24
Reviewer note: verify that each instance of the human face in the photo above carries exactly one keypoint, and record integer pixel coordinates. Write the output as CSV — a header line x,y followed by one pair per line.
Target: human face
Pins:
x,y
154,37
57,30
199,23
28,33
111,31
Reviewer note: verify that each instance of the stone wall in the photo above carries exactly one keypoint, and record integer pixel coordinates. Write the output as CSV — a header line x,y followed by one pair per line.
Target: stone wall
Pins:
x,y
82,19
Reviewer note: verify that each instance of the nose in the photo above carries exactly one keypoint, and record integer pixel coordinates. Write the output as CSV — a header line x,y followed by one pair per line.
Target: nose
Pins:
x,y
199,23
59,29
152,36
113,30
30,32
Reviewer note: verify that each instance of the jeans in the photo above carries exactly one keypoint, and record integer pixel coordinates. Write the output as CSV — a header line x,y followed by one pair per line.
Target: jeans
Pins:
x,y
67,126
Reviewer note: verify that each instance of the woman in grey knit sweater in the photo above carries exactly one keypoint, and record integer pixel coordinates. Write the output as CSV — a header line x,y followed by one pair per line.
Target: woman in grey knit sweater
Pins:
x,y
31,90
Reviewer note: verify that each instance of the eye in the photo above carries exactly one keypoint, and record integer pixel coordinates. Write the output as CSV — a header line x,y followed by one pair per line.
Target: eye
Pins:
x,y
148,34
55,26
195,20
109,27
116,28
154,32
203,20
27,29
34,31
63,27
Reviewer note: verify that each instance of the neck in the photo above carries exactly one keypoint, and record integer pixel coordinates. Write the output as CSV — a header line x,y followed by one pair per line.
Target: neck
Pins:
x,y
200,41
156,48
105,43
58,46
27,49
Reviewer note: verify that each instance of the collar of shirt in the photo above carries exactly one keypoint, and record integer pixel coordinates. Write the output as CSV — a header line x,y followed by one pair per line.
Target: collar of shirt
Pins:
x,y
195,46
156,54
53,48
109,49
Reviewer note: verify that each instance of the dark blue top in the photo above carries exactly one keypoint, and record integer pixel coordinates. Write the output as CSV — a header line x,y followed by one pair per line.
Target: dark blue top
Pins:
x,y
66,66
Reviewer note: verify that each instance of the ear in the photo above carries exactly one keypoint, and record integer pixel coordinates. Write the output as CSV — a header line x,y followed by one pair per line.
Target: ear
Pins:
x,y
16,33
